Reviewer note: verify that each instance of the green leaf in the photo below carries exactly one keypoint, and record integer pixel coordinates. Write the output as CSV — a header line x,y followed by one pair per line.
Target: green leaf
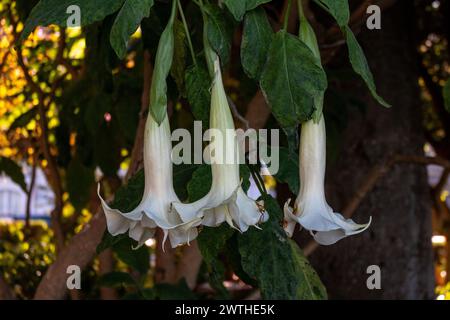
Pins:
x,y
339,9
48,12
212,242
288,170
179,58
80,180
127,22
23,120
108,241
198,83
233,258
360,65
256,39
163,64
139,258
311,287
13,171
219,31
268,256
446,94
291,80
244,173
200,183
116,279
182,174
128,197
239,7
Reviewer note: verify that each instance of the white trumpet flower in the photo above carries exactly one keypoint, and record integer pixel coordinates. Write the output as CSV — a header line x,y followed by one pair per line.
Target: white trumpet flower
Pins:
x,y
311,209
226,201
153,210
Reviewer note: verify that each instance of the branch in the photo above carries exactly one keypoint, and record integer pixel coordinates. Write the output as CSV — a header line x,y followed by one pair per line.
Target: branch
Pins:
x,y
79,251
106,265
30,191
374,175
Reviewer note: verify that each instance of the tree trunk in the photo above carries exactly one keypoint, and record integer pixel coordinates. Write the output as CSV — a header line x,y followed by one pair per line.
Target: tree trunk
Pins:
x,y
398,241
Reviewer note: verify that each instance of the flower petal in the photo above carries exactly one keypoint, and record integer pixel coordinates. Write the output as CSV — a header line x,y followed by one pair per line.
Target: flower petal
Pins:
x,y
116,221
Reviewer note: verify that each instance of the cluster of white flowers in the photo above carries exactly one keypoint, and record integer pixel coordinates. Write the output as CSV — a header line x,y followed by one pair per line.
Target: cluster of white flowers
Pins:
x,y
226,201
160,206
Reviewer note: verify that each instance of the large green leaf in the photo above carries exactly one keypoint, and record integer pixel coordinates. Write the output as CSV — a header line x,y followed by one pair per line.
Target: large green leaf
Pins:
x,y
360,65
108,241
163,64
139,258
12,170
219,30
291,80
288,171
446,95
48,12
212,242
256,39
310,286
339,9
80,180
269,257
182,174
200,183
128,197
198,83
127,22
239,7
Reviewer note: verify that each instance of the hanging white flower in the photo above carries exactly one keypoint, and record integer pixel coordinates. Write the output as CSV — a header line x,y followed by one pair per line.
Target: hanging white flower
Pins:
x,y
153,211
226,201
311,209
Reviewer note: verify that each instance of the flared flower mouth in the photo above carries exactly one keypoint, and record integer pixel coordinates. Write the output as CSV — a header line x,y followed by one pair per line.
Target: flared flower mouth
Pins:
x,y
226,201
154,208
311,209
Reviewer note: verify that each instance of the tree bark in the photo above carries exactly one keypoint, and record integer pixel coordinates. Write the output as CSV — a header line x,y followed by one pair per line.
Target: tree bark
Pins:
x,y
398,241
106,265
79,252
